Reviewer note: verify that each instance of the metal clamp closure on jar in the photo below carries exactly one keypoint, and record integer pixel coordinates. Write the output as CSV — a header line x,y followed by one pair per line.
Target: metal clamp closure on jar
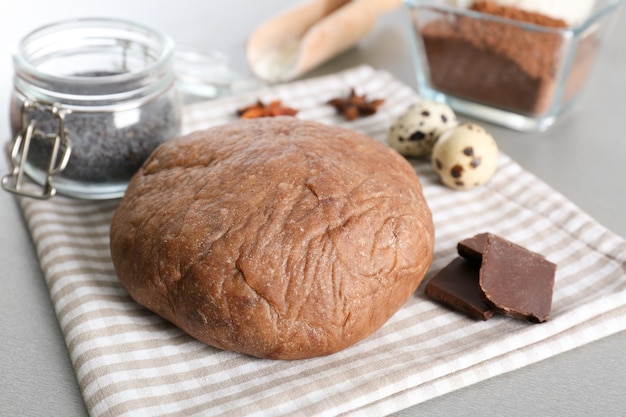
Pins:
x,y
13,182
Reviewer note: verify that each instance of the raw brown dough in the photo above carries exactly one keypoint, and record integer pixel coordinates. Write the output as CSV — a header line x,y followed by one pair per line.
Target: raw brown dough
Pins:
x,y
278,238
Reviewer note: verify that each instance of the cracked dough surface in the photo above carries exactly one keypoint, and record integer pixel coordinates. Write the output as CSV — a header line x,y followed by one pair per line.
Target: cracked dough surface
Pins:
x,y
277,237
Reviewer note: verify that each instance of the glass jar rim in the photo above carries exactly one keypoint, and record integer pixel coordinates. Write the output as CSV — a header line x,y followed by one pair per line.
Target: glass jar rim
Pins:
x,y
34,45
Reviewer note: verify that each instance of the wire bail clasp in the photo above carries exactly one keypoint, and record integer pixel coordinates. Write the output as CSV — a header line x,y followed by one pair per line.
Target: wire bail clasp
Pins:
x,y
14,181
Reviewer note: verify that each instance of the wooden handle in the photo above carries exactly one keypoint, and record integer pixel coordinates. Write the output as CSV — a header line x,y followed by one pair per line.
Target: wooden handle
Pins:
x,y
307,35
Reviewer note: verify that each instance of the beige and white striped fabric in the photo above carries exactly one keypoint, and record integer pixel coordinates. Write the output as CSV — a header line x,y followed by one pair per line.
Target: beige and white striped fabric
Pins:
x,y
130,362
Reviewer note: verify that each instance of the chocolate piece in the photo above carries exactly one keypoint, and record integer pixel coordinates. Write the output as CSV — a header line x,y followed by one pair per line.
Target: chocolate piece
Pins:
x,y
472,248
494,274
456,286
516,281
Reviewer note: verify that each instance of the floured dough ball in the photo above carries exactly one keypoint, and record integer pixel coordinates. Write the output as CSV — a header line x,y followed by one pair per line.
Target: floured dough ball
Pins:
x,y
416,131
275,237
465,157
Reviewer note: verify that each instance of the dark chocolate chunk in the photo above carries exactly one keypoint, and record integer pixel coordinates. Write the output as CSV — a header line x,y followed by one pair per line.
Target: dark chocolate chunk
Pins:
x,y
456,286
472,248
456,171
469,151
516,281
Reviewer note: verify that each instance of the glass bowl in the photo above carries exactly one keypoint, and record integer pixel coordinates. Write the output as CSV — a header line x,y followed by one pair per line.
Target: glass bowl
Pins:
x,y
514,73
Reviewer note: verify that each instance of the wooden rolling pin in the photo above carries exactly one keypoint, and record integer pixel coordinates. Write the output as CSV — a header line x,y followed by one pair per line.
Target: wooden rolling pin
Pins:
x,y
301,38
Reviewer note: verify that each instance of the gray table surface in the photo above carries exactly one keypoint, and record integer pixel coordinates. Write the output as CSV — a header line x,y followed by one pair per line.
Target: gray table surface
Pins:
x,y
583,157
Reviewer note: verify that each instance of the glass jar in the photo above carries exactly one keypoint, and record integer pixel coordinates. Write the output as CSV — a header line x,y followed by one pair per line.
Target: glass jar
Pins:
x,y
92,99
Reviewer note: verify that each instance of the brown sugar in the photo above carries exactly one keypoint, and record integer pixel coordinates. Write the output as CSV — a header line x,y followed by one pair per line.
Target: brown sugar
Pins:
x,y
498,63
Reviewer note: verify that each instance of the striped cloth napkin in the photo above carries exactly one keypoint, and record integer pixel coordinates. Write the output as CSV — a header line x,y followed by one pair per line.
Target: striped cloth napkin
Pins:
x,y
129,362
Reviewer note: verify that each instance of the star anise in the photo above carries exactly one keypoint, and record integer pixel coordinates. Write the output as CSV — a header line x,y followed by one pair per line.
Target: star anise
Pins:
x,y
260,109
355,106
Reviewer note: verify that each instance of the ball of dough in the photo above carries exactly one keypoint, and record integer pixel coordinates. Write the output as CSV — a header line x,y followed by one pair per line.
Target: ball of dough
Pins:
x,y
465,157
416,131
275,237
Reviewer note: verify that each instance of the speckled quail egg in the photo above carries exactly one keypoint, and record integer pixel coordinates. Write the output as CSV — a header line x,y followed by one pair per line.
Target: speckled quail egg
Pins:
x,y
465,157
416,131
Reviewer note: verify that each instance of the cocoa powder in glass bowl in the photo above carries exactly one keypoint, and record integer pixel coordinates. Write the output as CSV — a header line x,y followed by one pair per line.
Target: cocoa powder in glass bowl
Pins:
x,y
495,63
502,64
